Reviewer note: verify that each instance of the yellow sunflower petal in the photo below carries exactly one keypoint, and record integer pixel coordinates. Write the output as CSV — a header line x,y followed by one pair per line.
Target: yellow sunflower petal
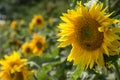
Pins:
x,y
89,34
13,65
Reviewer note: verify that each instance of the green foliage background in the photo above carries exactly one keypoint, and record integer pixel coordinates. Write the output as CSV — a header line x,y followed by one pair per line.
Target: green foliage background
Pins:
x,y
52,64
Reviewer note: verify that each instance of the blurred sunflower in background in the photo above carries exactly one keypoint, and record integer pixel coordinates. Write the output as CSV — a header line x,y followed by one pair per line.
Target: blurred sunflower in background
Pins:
x,y
26,49
38,20
22,21
31,27
51,21
14,68
14,25
15,43
38,44
87,29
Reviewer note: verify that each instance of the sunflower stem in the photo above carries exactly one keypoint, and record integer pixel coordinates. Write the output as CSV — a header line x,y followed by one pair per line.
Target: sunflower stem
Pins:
x,y
35,78
117,70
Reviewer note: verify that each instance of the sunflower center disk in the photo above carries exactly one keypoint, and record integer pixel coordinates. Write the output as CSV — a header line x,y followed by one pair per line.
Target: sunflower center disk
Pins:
x,y
88,36
17,76
39,45
28,50
38,21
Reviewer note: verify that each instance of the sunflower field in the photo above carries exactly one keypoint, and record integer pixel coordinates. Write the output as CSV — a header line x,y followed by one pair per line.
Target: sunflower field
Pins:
x,y
59,40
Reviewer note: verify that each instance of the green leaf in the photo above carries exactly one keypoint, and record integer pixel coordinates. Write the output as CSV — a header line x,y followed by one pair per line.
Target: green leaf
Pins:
x,y
76,73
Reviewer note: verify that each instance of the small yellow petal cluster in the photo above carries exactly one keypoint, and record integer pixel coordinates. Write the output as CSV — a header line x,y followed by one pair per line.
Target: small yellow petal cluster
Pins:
x,y
38,20
38,44
14,25
27,49
14,68
35,46
31,27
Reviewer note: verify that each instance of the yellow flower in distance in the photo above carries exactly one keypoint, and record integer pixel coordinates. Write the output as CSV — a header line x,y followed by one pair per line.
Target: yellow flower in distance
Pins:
x,y
26,49
22,21
31,27
14,68
87,30
14,42
51,21
37,44
38,20
14,25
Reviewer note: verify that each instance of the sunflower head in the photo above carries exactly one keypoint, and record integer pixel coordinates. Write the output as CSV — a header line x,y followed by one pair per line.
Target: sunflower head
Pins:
x,y
14,42
38,20
14,68
14,25
26,49
86,29
38,44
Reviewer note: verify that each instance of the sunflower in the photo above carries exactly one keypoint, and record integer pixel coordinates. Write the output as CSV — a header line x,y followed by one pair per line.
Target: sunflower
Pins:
x,y
38,20
14,42
14,68
31,27
51,21
26,49
38,44
14,25
88,31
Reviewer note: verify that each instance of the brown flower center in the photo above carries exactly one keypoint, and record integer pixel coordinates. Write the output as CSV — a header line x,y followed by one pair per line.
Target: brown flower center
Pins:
x,y
39,45
87,34
28,50
17,76
38,21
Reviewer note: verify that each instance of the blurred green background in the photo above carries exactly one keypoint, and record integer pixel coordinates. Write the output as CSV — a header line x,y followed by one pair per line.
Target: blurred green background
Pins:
x,y
52,64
